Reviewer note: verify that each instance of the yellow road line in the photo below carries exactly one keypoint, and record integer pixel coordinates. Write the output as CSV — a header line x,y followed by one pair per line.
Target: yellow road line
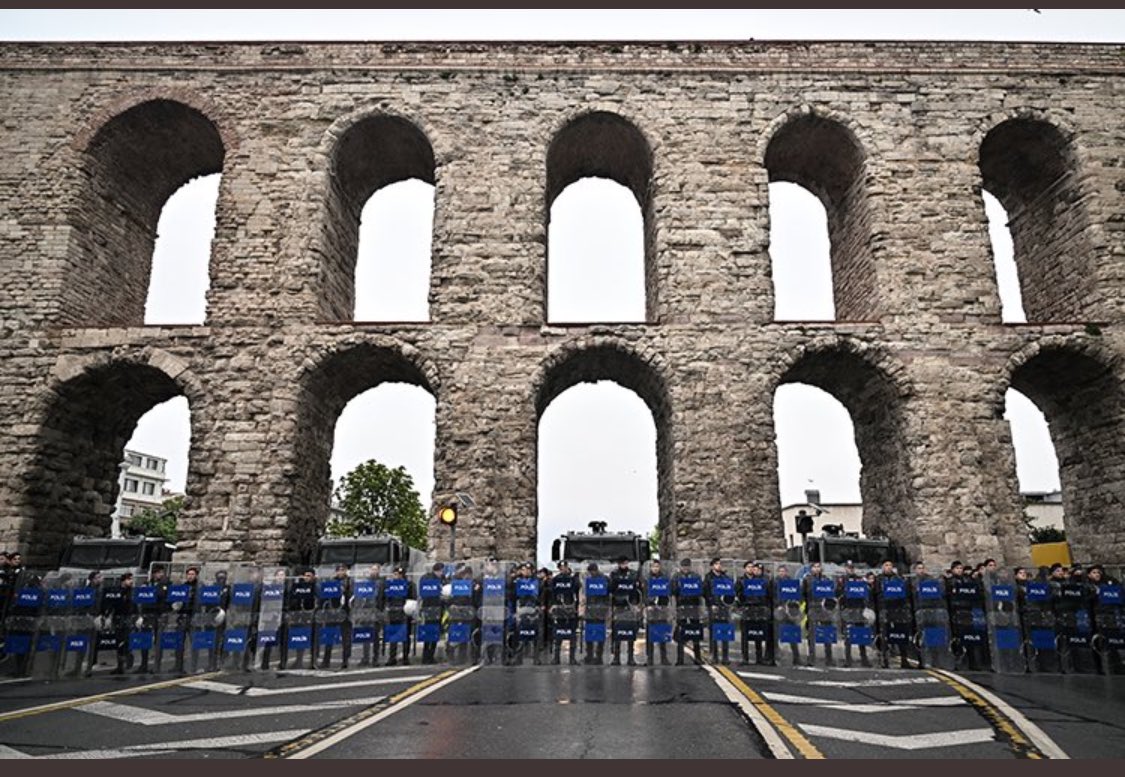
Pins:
x,y
321,739
806,748
72,703
1021,745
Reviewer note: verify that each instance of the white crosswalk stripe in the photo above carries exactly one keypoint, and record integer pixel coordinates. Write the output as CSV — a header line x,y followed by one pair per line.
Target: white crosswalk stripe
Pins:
x,y
148,717
164,748
898,705
254,690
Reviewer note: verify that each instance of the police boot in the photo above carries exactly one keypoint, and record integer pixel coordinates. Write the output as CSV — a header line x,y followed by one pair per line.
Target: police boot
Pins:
x,y
828,656
848,656
863,657
632,661
616,654
663,654
557,657
745,653
679,654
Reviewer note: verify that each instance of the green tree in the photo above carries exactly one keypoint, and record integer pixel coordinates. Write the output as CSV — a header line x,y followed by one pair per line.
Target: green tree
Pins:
x,y
376,499
654,541
159,522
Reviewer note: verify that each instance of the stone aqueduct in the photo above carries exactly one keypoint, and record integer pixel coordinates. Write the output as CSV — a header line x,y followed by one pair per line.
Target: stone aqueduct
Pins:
x,y
896,139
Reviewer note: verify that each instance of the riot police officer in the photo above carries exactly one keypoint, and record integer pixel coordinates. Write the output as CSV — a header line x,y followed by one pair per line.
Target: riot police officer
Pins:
x,y
597,605
753,594
658,597
300,602
526,594
463,595
812,579
397,617
966,613
371,649
340,602
147,613
687,587
855,602
115,610
893,607
718,590
625,594
563,603
430,611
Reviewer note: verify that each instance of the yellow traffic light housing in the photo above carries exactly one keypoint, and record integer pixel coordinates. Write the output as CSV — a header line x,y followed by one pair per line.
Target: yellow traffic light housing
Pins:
x,y
448,515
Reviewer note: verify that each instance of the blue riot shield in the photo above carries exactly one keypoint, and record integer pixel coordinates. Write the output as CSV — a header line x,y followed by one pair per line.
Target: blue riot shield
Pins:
x,y
1109,628
366,614
823,609
462,616
895,619
789,617
595,615
494,620
1075,623
659,612
269,633
857,618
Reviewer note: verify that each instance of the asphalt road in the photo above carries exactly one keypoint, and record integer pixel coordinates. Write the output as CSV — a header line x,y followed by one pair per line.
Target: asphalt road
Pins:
x,y
567,712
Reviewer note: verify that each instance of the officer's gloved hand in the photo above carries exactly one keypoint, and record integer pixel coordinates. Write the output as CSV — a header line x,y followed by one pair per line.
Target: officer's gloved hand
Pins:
x,y
100,622
177,606
139,623
220,616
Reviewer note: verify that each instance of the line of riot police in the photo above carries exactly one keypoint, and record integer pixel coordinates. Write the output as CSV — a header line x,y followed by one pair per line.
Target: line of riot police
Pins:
x,y
195,618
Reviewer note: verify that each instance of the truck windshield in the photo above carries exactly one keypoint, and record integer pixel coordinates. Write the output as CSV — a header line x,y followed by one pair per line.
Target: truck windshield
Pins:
x,y
356,553
609,549
104,556
861,553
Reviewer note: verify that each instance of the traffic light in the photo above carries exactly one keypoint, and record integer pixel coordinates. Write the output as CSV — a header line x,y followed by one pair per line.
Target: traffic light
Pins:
x,y
804,522
448,515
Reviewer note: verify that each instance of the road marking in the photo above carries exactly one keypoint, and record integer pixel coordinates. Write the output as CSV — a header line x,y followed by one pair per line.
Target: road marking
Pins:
x,y
77,702
146,717
162,748
343,672
302,749
1025,738
898,705
783,726
844,683
777,746
14,680
253,690
905,741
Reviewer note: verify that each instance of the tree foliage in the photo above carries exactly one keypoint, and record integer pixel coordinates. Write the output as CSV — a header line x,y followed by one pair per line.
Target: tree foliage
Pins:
x,y
654,541
376,499
159,522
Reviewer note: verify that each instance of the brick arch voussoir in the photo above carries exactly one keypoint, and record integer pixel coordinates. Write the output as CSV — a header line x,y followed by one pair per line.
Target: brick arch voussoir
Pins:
x,y
866,353
223,122
1078,345
319,358
864,138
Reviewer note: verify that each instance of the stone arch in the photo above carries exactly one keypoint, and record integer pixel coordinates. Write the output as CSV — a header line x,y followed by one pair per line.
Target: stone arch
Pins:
x,y
1076,384
821,152
365,153
90,410
131,164
605,144
326,382
639,370
872,385
1029,161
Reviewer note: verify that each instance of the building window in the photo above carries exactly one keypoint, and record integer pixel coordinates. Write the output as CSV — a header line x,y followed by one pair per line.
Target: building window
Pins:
x,y
152,464
133,459
126,511
131,485
148,489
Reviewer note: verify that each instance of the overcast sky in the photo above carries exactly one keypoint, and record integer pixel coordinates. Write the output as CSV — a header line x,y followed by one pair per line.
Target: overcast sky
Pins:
x,y
597,443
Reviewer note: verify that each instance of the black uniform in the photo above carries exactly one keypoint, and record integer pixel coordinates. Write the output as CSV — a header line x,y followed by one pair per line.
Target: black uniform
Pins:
x,y
597,606
338,603
658,598
966,616
687,587
852,606
463,602
625,595
718,611
757,617
562,601
429,615
148,605
811,601
527,594
115,606
397,617
892,603
300,602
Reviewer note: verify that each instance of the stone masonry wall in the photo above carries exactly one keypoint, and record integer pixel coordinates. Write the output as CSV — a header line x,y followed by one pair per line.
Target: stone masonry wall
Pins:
x,y
919,355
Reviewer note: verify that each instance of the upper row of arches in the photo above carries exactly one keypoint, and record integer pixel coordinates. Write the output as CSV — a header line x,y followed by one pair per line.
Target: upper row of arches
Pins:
x,y
138,158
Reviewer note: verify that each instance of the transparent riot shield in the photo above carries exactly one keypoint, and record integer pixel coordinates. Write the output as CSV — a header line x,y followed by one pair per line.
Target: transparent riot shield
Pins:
x,y
1040,634
1109,628
269,632
968,623
400,594
720,616
23,623
367,592
332,615
1005,637
53,622
595,615
147,598
80,633
208,622
625,614
1074,616
755,617
857,617
175,618
896,626
789,616
463,591
691,611
822,606
241,622
494,611
526,599
931,619
431,610
300,620
659,615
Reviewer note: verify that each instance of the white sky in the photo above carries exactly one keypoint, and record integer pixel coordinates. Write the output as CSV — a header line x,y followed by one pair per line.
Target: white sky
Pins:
x,y
597,442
